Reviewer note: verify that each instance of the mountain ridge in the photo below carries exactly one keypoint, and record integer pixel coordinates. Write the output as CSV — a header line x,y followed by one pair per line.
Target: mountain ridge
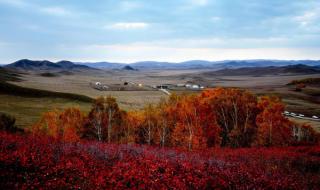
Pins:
x,y
29,65
26,64
202,64
269,70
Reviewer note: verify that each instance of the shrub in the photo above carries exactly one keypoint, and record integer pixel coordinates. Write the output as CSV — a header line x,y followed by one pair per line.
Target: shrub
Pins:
x,y
7,123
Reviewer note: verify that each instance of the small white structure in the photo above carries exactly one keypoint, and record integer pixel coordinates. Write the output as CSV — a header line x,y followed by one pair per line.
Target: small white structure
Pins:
x,y
181,85
293,114
188,85
315,117
301,115
286,112
98,83
195,86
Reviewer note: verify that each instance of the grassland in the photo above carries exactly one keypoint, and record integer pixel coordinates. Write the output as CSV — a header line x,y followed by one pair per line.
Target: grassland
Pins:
x,y
28,110
314,124
305,102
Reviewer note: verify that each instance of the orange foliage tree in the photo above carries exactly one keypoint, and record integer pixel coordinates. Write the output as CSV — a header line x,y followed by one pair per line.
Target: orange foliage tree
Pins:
x,y
188,132
273,128
132,122
235,112
215,117
66,126
104,116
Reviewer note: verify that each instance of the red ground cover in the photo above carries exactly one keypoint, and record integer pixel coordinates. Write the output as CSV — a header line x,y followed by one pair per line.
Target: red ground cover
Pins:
x,y
28,162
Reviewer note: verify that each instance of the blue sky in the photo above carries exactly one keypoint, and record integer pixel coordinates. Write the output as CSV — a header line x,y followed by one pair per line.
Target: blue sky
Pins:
x,y
160,30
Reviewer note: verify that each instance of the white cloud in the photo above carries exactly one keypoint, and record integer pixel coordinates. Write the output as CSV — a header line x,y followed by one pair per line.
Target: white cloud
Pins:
x,y
215,19
14,3
308,17
199,2
129,5
50,10
127,25
56,11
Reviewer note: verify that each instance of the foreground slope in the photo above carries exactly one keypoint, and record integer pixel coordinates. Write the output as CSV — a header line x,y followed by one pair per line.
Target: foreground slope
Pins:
x,y
28,162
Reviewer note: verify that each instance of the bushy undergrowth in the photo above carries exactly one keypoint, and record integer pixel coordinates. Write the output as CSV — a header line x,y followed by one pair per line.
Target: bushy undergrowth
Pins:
x,y
30,162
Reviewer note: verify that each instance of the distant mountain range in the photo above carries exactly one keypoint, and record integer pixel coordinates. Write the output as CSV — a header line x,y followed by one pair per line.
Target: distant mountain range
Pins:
x,y
270,70
200,64
30,65
26,64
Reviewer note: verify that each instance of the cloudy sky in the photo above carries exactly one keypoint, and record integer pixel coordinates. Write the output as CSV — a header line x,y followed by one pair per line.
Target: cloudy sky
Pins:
x,y
160,30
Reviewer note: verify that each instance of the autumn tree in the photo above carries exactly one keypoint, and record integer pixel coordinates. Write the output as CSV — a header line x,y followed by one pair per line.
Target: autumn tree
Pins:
x,y
209,124
133,120
273,128
96,116
105,113
148,128
72,120
49,125
164,126
235,112
66,125
305,134
188,132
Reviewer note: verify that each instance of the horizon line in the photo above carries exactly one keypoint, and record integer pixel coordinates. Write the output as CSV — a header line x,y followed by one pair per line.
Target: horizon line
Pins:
x,y
128,63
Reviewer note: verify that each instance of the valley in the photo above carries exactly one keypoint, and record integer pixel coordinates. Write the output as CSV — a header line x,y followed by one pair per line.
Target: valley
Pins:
x,y
139,91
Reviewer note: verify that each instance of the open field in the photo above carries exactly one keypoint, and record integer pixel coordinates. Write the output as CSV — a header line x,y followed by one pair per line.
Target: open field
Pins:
x,y
305,102
314,124
80,84
27,111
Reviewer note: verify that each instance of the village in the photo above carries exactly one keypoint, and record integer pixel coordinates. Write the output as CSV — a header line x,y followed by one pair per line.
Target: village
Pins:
x,y
167,88
128,85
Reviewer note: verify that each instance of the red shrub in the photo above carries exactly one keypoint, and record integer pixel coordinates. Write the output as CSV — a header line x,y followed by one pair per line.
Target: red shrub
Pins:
x,y
28,162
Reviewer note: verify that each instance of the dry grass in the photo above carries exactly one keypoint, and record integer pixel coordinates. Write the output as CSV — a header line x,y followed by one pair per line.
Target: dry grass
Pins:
x,y
79,83
314,124
27,111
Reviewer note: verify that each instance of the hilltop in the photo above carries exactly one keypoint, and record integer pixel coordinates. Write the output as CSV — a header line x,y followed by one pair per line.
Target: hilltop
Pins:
x,y
270,70
30,65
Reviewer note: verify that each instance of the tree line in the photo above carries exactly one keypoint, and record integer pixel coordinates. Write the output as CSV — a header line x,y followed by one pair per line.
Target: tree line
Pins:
x,y
219,117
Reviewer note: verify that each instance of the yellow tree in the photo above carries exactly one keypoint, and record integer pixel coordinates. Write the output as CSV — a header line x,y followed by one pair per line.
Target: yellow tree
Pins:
x,y
72,120
49,124
133,120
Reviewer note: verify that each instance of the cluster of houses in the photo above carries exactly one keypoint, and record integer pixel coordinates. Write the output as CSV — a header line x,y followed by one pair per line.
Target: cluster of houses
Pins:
x,y
187,86
99,86
291,114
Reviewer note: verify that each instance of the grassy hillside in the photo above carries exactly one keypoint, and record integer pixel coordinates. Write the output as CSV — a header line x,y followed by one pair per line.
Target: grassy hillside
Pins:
x,y
9,75
11,89
28,104
28,110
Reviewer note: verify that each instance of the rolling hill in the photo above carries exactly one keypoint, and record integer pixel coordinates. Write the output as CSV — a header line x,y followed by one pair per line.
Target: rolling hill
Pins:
x,y
202,64
30,65
270,70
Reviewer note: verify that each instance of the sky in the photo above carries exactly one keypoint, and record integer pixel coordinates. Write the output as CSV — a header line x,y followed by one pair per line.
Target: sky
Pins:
x,y
159,30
